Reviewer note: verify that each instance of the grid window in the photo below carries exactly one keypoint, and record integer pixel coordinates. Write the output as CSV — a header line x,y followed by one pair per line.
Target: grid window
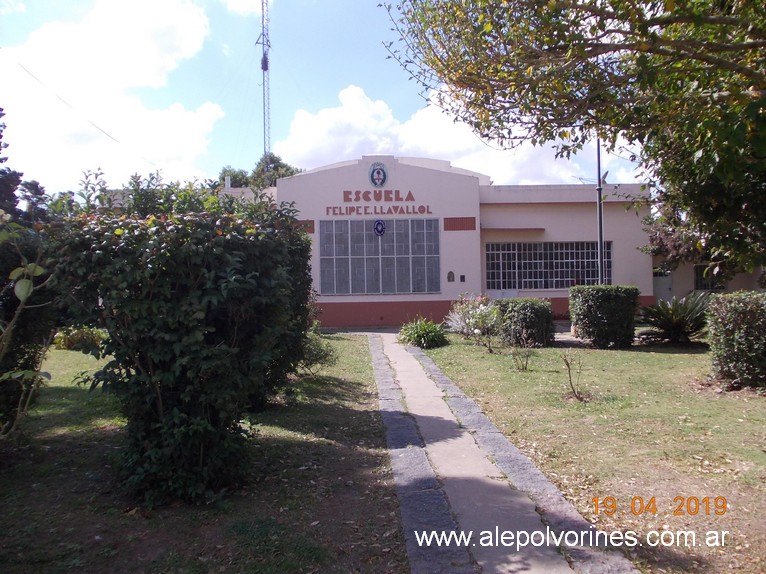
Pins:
x,y
549,265
353,259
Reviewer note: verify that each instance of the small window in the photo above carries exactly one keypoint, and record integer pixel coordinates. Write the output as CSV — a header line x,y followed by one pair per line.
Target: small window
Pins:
x,y
451,277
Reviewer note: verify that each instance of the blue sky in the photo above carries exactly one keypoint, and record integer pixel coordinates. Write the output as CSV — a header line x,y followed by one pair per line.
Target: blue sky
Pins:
x,y
176,86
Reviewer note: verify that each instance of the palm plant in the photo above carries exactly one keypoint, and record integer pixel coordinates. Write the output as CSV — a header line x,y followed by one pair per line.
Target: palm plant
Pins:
x,y
678,320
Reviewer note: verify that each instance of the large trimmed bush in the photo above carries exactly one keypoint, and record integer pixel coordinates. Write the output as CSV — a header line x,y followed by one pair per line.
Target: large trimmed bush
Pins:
x,y
205,314
604,314
737,336
526,321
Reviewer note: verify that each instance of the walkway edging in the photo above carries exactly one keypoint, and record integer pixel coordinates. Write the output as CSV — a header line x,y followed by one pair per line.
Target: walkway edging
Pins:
x,y
423,505
553,508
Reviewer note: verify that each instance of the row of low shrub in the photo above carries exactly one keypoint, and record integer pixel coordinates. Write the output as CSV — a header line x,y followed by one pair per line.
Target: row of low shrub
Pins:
x,y
524,322
605,315
736,325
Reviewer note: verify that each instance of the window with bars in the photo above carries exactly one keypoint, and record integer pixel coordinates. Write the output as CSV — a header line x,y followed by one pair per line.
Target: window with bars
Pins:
x,y
549,265
354,259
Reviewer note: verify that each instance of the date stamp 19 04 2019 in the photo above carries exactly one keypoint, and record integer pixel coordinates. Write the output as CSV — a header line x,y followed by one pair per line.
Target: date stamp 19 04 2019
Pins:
x,y
682,505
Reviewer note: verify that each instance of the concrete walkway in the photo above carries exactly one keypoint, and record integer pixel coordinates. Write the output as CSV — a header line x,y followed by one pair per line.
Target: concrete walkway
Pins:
x,y
455,472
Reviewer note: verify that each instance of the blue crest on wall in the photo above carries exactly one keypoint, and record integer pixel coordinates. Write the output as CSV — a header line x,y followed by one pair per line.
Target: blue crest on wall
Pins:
x,y
378,174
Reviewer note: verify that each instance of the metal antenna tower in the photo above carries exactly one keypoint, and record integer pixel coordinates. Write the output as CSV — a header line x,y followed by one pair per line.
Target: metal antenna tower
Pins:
x,y
265,43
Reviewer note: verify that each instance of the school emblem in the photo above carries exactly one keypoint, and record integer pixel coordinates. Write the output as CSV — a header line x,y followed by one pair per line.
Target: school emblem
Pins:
x,y
378,174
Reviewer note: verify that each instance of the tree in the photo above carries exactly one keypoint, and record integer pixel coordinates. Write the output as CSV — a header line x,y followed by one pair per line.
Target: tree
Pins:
x,y
33,193
265,174
27,320
268,170
683,79
671,238
239,177
9,179
9,183
716,185
26,316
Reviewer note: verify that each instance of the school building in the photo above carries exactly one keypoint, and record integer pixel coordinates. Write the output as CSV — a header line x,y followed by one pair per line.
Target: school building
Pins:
x,y
394,238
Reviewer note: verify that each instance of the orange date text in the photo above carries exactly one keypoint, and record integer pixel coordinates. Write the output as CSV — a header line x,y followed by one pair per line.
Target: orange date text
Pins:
x,y
682,505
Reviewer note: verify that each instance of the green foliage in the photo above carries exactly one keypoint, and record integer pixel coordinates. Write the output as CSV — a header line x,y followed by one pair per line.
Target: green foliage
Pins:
x,y
238,177
423,333
604,314
317,354
717,201
678,320
737,336
149,196
9,179
264,175
80,338
268,170
683,81
526,321
27,321
206,314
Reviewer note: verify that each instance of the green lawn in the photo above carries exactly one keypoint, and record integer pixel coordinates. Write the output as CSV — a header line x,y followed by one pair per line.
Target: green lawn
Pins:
x,y
320,497
654,427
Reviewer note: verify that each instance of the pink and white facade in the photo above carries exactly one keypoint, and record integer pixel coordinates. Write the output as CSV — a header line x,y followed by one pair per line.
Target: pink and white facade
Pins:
x,y
395,238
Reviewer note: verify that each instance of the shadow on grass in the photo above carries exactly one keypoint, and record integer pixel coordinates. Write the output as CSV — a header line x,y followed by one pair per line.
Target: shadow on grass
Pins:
x,y
693,348
329,398
318,496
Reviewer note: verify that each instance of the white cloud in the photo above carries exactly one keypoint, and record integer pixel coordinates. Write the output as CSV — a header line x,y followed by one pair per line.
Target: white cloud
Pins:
x,y
362,126
117,45
11,7
71,81
243,7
